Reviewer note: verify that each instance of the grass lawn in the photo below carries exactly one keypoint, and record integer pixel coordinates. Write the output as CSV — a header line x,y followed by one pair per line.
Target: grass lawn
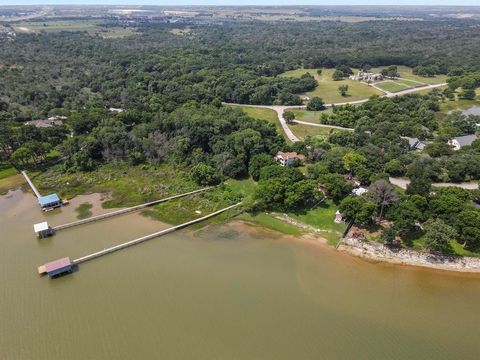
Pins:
x,y
302,131
392,86
270,222
322,217
264,114
406,73
327,89
309,116
83,210
7,172
11,182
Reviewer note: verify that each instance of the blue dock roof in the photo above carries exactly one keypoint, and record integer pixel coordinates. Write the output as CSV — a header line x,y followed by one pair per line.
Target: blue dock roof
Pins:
x,y
48,199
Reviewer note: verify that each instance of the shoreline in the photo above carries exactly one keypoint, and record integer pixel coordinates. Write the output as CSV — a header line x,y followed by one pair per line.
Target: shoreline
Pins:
x,y
366,250
378,253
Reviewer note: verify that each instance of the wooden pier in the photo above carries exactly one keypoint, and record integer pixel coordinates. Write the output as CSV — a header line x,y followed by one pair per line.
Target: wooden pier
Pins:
x,y
34,189
126,210
149,237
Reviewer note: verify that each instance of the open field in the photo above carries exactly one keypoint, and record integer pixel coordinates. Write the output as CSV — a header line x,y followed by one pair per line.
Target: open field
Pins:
x,y
391,86
92,26
309,116
327,89
406,73
302,131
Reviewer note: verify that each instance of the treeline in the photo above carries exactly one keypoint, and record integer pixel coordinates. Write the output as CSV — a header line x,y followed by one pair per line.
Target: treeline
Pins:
x,y
156,70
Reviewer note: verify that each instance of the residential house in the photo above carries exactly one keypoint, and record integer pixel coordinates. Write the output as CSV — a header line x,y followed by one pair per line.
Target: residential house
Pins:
x,y
414,143
366,76
287,158
458,142
45,123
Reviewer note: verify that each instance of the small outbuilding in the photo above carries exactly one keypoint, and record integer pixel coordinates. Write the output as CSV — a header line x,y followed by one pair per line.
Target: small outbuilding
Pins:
x,y
338,217
48,202
43,230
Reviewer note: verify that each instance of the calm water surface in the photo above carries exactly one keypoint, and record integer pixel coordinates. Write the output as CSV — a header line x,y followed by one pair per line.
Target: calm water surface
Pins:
x,y
223,292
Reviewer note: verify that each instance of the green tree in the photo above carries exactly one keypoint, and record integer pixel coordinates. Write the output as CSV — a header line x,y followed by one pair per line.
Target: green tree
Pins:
x,y
315,104
352,160
204,174
438,236
468,228
467,94
257,163
358,210
338,75
389,235
342,89
289,116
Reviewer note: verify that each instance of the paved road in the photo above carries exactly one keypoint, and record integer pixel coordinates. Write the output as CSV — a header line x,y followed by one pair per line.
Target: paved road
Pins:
x,y
279,110
291,136
402,183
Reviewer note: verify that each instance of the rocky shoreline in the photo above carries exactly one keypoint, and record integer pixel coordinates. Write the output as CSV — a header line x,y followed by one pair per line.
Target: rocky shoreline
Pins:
x,y
373,251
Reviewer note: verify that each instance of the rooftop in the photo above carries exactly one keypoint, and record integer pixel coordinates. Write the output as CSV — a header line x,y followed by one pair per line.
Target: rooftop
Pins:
x,y
40,227
48,199
58,264
466,140
290,155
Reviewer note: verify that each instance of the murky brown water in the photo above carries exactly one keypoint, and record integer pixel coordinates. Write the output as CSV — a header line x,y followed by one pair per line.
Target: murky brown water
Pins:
x,y
224,292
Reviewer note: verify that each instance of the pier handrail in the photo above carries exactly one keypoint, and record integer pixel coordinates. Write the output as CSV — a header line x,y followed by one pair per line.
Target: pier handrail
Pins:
x,y
126,210
150,236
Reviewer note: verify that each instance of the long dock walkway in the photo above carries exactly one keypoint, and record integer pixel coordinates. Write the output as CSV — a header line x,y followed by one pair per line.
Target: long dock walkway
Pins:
x,y
34,189
148,237
126,210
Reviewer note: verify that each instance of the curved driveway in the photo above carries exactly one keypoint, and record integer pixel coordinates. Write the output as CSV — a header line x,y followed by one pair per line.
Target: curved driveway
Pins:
x,y
279,109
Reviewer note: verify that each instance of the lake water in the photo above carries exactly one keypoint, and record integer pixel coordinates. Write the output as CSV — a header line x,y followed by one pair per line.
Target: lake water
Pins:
x,y
227,291
475,110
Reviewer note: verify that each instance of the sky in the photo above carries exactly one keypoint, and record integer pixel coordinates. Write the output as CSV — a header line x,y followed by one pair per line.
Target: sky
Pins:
x,y
246,2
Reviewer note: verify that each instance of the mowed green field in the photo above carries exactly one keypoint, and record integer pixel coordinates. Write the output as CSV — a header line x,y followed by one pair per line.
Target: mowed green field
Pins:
x,y
327,89
392,86
309,116
406,73
302,131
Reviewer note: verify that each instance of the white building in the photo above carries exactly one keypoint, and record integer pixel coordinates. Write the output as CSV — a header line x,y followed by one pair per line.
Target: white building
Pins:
x,y
287,158
458,142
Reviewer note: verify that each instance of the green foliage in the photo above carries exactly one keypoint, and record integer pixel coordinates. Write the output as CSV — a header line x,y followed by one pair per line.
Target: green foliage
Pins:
x,y
358,209
438,236
315,104
204,174
257,163
391,72
468,228
342,89
289,116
